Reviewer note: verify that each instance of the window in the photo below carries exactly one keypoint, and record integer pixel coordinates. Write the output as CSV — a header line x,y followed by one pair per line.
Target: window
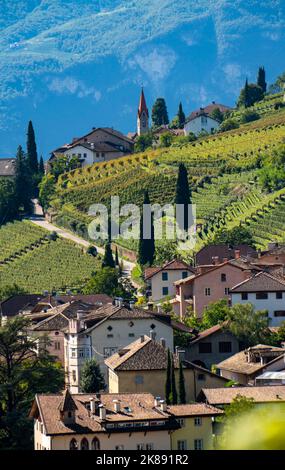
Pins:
x,y
73,445
109,351
119,447
165,276
181,445
244,296
279,295
84,444
73,352
198,421
205,348
165,291
149,446
207,291
261,295
110,335
74,376
95,444
57,345
139,379
181,421
223,277
85,155
279,313
227,290
198,444
201,377
184,274
131,335
81,353
140,446
225,346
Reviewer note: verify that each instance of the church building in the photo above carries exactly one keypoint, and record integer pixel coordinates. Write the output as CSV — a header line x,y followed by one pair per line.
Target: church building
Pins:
x,y
143,116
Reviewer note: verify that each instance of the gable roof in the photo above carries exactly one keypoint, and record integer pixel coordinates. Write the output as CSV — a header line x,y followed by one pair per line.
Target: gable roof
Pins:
x,y
260,282
207,253
224,396
240,364
200,113
17,303
209,108
206,333
7,166
174,264
67,403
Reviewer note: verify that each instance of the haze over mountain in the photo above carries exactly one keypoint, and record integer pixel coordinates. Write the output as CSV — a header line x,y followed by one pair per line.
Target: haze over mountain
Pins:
x,y
70,65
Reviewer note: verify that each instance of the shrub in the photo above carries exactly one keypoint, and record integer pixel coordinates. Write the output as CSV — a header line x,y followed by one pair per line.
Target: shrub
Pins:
x,y
249,116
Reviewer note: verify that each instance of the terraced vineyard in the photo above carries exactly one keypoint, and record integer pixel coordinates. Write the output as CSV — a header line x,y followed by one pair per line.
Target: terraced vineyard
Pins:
x,y
36,263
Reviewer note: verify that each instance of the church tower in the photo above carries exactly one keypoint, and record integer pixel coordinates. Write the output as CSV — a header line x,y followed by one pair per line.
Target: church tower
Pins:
x,y
143,116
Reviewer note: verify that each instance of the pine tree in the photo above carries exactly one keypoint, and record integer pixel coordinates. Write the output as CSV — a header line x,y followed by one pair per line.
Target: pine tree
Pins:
x,y
32,155
173,394
183,193
159,113
181,116
108,260
182,392
117,257
23,185
168,379
146,249
91,380
246,95
41,167
261,79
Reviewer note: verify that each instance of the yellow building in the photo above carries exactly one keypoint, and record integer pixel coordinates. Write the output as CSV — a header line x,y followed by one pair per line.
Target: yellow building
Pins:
x,y
141,367
119,422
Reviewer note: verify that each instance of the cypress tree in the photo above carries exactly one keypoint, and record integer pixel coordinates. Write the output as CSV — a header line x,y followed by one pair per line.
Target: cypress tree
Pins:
x,y
117,257
173,393
32,155
23,186
168,379
181,116
182,392
41,167
261,79
159,113
246,95
108,260
183,193
146,249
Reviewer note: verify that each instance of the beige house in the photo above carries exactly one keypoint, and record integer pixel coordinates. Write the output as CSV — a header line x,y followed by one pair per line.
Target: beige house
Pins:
x,y
160,280
245,366
118,422
141,367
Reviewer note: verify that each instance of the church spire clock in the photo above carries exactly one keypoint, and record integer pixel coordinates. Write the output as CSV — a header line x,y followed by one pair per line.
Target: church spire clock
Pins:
x,y
143,116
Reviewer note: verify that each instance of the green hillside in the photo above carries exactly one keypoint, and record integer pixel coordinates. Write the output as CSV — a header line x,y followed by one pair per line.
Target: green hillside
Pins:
x,y
223,171
30,259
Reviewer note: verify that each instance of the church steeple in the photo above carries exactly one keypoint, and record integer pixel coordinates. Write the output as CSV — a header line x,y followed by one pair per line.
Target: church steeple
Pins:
x,y
143,116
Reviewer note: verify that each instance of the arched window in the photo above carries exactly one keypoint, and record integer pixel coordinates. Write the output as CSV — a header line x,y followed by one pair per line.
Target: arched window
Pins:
x,y
84,444
73,444
95,444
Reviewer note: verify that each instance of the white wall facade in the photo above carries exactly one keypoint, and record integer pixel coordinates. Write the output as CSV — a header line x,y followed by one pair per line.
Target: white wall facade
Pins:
x,y
105,340
201,123
157,283
271,304
90,156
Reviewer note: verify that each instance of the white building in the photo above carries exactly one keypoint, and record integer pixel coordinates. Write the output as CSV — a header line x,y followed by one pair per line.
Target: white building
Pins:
x,y
264,292
107,330
160,280
89,153
201,121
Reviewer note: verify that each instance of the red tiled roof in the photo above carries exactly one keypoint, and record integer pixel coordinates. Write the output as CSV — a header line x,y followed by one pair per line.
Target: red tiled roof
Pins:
x,y
260,282
174,264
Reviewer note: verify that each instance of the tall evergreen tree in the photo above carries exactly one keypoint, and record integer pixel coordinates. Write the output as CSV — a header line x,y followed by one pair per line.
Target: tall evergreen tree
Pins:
x,y
32,155
168,379
261,79
117,257
41,167
182,391
173,394
92,379
183,193
23,184
181,116
159,113
146,249
246,95
108,260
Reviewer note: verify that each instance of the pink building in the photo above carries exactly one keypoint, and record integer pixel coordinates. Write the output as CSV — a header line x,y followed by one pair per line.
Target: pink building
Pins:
x,y
209,284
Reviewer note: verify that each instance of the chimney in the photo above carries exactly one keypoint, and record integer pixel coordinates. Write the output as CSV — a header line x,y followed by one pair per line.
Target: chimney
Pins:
x,y
237,254
117,406
92,406
74,326
180,353
215,260
157,401
163,405
163,342
142,338
102,412
150,306
92,145
80,314
132,304
152,335
120,302
225,260
158,308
